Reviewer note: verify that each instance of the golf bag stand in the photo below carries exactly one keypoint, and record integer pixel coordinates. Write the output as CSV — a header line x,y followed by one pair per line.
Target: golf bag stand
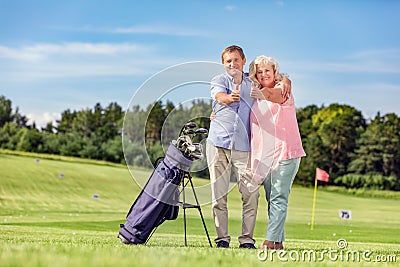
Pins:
x,y
184,205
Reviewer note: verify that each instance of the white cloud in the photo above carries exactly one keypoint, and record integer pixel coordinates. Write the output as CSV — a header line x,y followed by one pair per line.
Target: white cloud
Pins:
x,y
362,67
369,97
369,61
382,61
159,29
18,54
382,53
165,30
28,63
43,50
230,8
41,119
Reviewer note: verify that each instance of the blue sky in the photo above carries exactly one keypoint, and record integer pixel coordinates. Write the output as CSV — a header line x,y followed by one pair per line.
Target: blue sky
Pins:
x,y
72,54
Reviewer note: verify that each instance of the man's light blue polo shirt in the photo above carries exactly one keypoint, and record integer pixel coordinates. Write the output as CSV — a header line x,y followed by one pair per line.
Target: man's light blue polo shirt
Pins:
x,y
231,127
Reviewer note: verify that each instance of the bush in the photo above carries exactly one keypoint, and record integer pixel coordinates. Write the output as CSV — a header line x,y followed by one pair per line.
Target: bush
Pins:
x,y
367,181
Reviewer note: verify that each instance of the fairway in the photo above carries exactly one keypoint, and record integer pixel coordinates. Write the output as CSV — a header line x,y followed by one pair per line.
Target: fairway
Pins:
x,y
66,212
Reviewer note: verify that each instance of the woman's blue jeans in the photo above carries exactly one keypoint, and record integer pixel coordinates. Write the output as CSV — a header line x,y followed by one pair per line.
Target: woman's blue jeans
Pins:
x,y
277,187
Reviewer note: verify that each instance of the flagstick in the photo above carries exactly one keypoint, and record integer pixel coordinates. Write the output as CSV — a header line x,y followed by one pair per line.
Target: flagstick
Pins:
x,y
313,207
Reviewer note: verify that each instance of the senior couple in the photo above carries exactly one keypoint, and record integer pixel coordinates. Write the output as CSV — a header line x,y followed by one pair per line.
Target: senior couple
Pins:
x,y
254,137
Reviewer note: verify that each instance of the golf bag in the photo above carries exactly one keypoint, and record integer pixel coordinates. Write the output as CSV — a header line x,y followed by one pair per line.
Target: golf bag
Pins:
x,y
158,200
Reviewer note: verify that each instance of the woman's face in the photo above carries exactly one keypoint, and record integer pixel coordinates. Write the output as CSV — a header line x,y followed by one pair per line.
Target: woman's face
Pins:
x,y
265,75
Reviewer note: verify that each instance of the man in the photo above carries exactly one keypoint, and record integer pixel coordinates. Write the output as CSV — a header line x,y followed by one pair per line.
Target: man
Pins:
x,y
228,146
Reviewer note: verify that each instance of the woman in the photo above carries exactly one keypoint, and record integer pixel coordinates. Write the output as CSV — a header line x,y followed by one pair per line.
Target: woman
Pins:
x,y
276,147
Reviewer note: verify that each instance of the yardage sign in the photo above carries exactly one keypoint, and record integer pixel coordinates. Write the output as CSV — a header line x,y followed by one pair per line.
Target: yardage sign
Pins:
x,y
345,214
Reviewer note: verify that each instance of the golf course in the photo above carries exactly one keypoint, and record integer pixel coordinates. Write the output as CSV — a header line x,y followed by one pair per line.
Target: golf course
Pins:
x,y
61,211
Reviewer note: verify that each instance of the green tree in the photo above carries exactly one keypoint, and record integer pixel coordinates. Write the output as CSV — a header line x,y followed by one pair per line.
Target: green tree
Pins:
x,y
135,154
98,115
112,122
173,124
64,125
52,143
5,111
316,157
72,145
30,140
8,132
155,151
338,127
134,125
21,120
48,128
7,114
304,119
169,107
312,144
378,148
83,123
112,150
154,122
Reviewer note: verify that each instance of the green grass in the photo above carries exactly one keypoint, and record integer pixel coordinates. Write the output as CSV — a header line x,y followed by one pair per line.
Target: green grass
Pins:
x,y
46,220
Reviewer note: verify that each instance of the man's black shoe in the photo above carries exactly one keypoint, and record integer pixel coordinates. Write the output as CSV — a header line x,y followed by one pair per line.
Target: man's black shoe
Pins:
x,y
124,240
247,245
222,244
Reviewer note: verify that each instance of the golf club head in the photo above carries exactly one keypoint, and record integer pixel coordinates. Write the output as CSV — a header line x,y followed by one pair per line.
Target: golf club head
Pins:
x,y
190,124
189,131
192,148
183,142
201,131
197,148
196,156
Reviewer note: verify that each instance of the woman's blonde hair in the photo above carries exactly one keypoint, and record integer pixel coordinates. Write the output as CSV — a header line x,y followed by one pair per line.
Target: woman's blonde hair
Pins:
x,y
265,60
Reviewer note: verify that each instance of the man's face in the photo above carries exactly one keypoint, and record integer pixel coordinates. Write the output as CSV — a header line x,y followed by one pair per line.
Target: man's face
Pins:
x,y
234,63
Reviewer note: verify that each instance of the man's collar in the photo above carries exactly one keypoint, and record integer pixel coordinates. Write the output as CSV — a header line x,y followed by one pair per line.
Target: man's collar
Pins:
x,y
244,76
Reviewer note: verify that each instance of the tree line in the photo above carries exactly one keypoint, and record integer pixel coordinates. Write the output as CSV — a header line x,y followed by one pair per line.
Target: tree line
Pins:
x,y
357,153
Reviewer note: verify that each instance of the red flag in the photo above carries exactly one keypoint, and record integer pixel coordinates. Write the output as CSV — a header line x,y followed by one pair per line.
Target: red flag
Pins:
x,y
321,175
